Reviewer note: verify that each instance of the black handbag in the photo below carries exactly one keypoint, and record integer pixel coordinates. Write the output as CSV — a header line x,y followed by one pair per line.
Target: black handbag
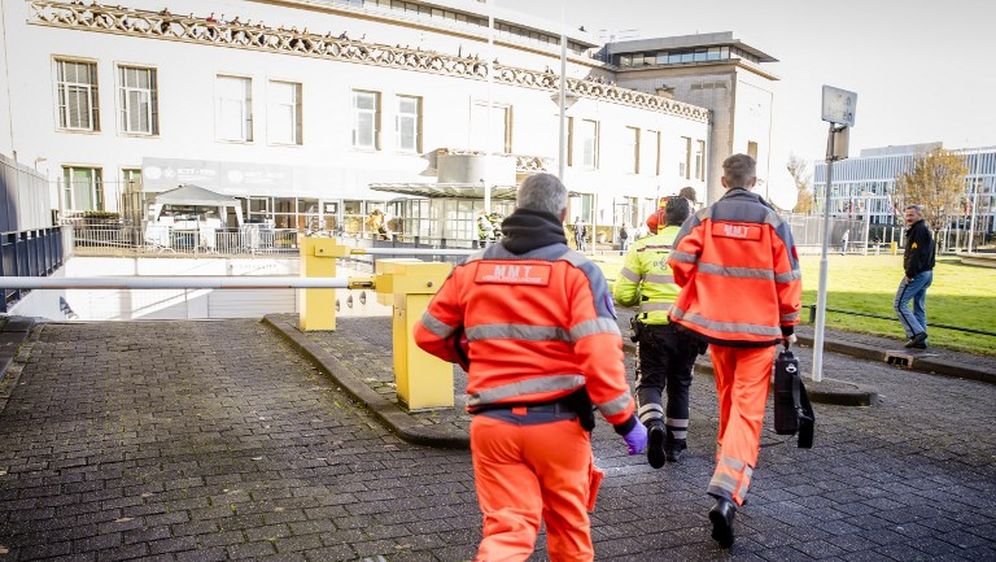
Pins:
x,y
793,411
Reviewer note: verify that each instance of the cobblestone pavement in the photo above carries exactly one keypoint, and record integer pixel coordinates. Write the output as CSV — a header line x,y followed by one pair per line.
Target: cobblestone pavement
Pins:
x,y
213,441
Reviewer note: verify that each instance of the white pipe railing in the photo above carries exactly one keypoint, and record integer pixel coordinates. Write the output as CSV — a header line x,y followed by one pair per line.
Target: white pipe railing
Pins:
x,y
178,282
411,251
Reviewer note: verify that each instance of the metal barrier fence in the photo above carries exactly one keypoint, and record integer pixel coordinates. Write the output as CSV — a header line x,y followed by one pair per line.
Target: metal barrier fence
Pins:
x,y
117,240
29,253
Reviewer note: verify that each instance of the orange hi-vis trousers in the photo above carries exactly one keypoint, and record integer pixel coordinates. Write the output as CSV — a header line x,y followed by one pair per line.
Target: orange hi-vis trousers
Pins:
x,y
527,472
743,376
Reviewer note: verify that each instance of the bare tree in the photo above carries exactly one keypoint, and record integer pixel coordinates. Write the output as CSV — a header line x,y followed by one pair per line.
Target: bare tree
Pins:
x,y
797,167
936,181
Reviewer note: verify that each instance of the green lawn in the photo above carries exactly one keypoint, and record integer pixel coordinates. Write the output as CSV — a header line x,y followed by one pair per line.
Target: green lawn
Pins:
x,y
960,296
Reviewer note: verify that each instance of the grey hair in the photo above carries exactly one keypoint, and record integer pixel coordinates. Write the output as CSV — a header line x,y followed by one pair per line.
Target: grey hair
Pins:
x,y
917,208
542,192
739,170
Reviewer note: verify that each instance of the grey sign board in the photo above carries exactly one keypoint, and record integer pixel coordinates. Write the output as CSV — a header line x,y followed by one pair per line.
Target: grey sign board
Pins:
x,y
839,106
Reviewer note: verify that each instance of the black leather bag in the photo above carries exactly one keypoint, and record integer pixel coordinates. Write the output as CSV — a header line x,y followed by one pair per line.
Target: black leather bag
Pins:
x,y
793,411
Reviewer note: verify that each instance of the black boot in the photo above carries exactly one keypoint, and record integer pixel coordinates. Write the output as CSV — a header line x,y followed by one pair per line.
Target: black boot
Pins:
x,y
673,448
655,444
721,515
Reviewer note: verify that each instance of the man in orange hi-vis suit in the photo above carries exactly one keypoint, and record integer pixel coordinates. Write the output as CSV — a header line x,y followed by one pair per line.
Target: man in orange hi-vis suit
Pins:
x,y
532,322
740,284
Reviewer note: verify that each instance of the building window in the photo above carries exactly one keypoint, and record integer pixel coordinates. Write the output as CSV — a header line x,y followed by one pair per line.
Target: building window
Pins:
x,y
132,204
685,161
589,144
650,157
633,148
233,111
752,149
366,120
77,95
83,189
408,124
491,131
700,160
284,116
139,100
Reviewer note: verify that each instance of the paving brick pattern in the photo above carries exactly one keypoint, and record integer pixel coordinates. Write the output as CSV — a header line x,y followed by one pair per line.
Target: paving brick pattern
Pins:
x,y
215,441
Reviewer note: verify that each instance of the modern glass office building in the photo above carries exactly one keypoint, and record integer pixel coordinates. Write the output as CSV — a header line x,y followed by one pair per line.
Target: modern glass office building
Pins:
x,y
868,182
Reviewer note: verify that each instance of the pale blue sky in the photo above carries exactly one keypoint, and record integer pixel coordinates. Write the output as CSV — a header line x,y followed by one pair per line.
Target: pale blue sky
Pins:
x,y
923,69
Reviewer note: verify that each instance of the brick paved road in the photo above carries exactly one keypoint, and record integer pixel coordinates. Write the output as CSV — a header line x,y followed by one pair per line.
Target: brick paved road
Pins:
x,y
212,440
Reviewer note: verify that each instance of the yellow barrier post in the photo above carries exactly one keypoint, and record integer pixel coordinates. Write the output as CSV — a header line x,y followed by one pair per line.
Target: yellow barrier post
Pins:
x,y
894,247
423,381
318,256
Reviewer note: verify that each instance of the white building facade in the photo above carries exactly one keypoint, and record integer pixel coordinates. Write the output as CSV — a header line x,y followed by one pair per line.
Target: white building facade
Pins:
x,y
295,108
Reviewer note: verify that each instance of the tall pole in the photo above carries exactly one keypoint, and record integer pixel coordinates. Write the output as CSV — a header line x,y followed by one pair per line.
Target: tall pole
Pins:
x,y
562,151
971,224
867,220
821,299
487,131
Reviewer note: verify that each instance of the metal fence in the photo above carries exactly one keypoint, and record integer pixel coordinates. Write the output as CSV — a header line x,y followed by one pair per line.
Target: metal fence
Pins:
x,y
114,240
29,253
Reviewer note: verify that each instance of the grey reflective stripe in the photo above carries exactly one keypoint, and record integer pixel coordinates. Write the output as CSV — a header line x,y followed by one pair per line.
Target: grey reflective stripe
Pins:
x,y
517,332
745,483
615,405
748,272
655,278
437,326
730,327
525,387
652,306
625,272
684,257
790,317
674,422
650,408
592,327
724,481
789,276
656,247
733,463
574,258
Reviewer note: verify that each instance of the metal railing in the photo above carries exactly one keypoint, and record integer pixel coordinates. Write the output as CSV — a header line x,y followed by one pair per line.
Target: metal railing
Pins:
x,y
117,240
30,254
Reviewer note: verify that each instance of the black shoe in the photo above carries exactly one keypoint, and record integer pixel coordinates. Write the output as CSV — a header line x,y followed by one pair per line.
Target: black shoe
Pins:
x,y
918,341
673,448
721,516
655,445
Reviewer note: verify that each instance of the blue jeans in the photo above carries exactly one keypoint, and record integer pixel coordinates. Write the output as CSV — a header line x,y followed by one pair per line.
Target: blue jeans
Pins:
x,y
915,289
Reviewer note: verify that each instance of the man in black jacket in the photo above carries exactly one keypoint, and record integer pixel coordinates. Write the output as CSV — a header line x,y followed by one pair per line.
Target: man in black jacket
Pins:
x,y
918,262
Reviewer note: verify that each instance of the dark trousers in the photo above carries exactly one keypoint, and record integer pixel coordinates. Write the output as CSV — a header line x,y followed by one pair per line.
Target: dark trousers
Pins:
x,y
666,358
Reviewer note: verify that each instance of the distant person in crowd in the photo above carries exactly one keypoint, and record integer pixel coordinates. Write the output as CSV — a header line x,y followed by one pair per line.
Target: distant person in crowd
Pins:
x,y
918,263
665,352
741,290
624,237
485,229
495,218
844,240
531,392
580,234
688,192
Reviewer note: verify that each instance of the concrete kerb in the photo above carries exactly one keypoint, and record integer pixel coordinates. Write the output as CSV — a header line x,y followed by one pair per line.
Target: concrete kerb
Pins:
x,y
388,413
945,368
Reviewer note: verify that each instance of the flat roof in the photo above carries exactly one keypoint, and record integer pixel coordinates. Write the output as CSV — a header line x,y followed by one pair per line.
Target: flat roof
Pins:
x,y
718,39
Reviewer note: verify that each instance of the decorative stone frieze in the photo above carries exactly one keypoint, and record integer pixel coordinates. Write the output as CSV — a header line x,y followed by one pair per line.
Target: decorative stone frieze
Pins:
x,y
120,20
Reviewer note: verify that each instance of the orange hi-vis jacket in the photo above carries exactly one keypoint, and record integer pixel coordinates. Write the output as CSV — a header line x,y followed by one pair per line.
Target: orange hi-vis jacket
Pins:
x,y
540,325
738,271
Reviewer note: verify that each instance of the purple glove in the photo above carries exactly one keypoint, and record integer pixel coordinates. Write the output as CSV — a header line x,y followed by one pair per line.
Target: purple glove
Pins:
x,y
636,439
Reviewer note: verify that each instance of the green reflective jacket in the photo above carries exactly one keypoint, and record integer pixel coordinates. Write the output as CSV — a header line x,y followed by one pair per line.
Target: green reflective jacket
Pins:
x,y
646,278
